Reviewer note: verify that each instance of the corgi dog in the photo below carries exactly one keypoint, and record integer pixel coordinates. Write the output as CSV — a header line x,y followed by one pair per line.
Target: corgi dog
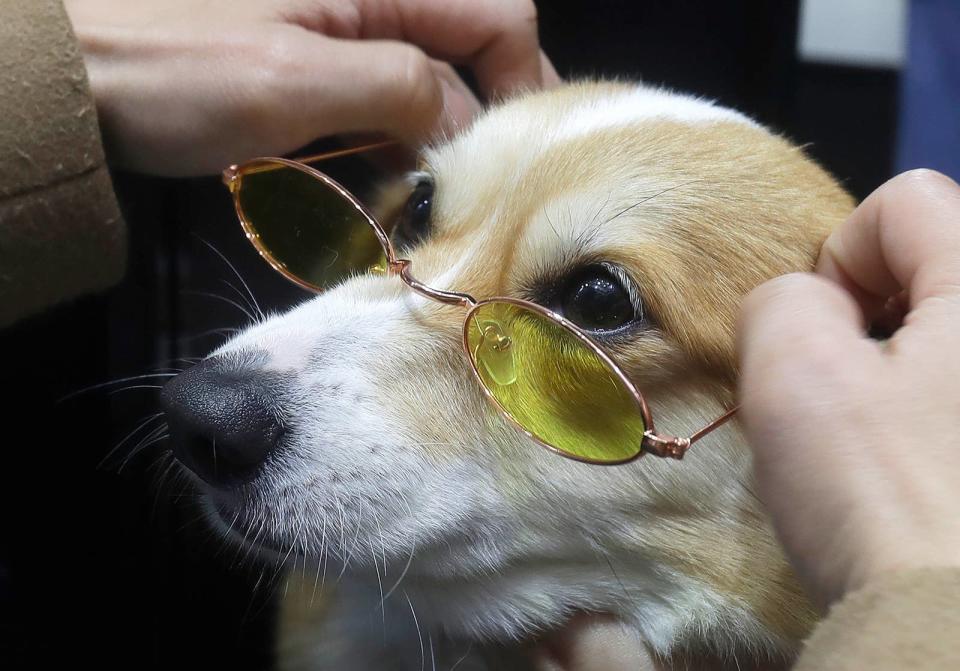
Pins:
x,y
348,436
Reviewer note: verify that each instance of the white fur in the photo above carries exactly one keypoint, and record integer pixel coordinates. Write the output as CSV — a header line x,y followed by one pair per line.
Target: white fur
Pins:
x,y
639,105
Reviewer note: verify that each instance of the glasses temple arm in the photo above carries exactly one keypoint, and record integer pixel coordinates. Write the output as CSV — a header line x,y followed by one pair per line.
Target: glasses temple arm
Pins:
x,y
675,448
230,174
349,151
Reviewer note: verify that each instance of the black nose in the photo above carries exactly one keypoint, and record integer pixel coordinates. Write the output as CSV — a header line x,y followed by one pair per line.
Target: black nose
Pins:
x,y
223,419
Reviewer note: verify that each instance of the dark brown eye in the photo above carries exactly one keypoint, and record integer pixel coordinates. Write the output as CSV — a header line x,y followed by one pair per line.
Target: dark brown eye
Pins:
x,y
595,298
413,223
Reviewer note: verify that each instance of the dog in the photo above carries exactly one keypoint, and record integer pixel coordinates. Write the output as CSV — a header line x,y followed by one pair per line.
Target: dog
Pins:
x,y
376,456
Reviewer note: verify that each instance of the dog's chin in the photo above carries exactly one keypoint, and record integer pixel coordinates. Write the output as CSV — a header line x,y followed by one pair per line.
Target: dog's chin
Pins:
x,y
514,602
226,515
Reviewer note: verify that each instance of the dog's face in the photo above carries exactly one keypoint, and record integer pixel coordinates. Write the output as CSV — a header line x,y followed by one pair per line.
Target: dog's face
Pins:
x,y
644,217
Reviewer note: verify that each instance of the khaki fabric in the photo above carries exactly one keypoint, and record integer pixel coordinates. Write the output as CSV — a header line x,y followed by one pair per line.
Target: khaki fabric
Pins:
x,y
61,233
908,620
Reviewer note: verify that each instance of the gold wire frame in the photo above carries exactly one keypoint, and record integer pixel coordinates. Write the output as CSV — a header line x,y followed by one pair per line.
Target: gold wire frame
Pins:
x,y
662,445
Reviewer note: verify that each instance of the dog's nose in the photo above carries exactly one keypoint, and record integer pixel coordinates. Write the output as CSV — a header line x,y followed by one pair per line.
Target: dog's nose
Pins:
x,y
223,420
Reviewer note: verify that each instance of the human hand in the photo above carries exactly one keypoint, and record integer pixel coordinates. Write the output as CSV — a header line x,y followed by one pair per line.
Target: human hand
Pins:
x,y
601,643
185,87
857,442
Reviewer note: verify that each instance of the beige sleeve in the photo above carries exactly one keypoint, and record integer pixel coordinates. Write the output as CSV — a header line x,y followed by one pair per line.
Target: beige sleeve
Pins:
x,y
61,234
907,621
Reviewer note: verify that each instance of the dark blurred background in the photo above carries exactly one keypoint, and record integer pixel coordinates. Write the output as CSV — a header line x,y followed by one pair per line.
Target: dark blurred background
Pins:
x,y
112,566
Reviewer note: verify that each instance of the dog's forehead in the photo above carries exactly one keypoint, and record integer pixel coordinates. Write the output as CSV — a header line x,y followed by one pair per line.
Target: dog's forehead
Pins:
x,y
503,142
549,173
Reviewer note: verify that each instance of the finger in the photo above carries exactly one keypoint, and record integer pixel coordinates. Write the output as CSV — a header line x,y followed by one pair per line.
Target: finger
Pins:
x,y
594,643
549,73
331,86
460,104
799,336
904,236
496,38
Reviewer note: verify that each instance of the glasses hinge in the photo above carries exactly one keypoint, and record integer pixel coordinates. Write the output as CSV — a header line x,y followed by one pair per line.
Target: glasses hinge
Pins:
x,y
231,176
665,446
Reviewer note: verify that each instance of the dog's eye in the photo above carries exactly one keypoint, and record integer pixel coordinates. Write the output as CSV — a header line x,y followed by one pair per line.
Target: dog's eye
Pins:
x,y
413,224
596,298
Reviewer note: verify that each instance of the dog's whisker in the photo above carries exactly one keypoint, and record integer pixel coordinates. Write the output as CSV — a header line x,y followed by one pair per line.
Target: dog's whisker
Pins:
x,y
416,623
206,334
383,554
321,560
113,392
553,228
226,535
383,544
254,309
243,549
254,593
349,550
403,573
101,385
649,198
190,360
233,268
159,486
156,439
256,539
256,585
341,549
156,462
273,585
293,543
148,420
225,299
376,569
153,433
306,546
463,656
616,576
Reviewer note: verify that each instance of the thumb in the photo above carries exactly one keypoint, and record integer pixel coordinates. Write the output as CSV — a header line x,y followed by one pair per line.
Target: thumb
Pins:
x,y
802,345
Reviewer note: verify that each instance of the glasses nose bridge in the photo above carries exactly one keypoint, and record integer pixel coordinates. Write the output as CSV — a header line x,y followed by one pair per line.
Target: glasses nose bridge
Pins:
x,y
401,267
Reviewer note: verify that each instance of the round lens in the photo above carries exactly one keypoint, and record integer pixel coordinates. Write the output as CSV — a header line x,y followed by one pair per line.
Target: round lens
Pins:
x,y
306,226
552,383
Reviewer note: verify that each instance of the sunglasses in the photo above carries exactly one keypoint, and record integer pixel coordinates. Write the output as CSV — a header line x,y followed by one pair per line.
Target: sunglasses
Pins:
x,y
544,373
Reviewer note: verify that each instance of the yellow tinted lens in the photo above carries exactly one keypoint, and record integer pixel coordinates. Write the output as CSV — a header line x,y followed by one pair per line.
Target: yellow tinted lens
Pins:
x,y
306,225
553,384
